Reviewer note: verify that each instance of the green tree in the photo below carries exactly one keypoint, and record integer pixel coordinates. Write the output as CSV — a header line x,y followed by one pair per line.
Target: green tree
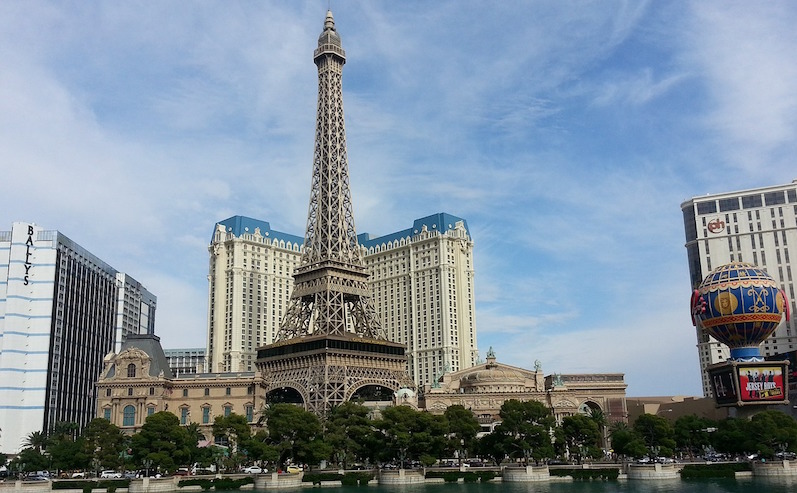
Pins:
x,y
234,431
162,441
105,443
582,436
657,433
626,442
63,430
462,428
732,437
68,454
296,434
693,434
529,423
65,448
772,432
348,429
412,435
495,446
197,454
36,440
260,450
29,459
599,417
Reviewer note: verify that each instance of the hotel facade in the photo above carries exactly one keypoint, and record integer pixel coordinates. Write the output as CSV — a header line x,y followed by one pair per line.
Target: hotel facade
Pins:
x,y
421,280
62,310
758,226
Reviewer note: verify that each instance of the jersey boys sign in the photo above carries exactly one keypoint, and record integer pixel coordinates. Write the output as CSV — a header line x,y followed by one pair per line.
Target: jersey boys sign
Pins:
x,y
746,383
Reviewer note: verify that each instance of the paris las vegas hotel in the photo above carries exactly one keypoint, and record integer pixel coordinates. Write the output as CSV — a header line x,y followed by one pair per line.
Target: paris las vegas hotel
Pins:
x,y
421,279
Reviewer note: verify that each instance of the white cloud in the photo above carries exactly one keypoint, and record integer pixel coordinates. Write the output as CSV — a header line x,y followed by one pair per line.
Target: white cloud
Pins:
x,y
746,57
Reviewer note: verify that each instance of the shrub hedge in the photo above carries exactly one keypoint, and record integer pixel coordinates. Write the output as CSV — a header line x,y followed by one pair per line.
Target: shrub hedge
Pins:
x,y
218,483
607,474
347,479
88,484
695,471
468,477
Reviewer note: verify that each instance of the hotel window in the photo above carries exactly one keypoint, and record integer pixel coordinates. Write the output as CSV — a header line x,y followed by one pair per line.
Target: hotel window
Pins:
x,y
131,370
108,392
250,414
184,414
107,413
227,391
227,410
130,391
185,392
150,410
205,415
129,416
207,391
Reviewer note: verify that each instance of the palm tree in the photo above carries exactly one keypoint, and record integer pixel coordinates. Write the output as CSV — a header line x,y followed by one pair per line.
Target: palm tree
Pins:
x,y
599,417
35,440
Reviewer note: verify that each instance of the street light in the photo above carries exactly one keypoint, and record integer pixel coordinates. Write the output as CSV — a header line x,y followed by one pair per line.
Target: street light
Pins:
x,y
147,463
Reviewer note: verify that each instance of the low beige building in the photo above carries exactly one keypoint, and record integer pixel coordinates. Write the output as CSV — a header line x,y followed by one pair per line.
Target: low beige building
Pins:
x,y
485,387
137,382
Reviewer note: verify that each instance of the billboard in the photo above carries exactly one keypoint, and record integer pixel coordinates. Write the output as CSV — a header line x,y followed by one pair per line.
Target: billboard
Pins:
x,y
791,357
737,383
763,382
723,385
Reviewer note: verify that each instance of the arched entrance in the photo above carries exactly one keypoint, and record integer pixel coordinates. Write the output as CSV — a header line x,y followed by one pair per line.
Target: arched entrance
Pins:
x,y
284,395
372,393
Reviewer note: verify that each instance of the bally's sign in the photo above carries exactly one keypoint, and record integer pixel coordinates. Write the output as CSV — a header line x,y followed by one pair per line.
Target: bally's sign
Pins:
x,y
28,264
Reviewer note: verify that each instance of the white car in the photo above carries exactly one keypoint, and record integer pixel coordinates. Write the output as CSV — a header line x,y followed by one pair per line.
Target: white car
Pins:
x,y
255,470
110,474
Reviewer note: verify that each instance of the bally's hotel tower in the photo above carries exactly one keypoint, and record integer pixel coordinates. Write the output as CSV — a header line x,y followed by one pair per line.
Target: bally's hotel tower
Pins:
x,y
62,310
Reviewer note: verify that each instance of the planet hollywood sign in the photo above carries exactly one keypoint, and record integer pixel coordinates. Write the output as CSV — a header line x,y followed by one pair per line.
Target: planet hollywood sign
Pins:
x,y
716,226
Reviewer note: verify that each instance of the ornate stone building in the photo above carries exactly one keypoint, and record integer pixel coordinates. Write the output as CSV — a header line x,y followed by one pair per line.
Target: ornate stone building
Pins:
x,y
484,388
137,382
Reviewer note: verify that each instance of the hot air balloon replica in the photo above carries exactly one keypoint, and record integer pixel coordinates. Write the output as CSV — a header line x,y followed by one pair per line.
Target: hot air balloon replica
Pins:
x,y
741,305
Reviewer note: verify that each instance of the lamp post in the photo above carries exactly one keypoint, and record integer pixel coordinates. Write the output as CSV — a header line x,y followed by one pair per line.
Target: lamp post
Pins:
x,y
147,463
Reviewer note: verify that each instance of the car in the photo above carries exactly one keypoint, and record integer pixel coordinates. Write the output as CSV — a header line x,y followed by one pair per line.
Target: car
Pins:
x,y
294,469
255,470
110,474
182,472
78,475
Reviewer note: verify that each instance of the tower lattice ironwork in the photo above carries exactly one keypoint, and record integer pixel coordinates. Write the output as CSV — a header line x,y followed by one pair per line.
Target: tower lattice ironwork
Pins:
x,y
331,343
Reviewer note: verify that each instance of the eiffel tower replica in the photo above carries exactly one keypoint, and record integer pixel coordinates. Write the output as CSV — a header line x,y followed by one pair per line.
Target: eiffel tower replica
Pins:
x,y
331,345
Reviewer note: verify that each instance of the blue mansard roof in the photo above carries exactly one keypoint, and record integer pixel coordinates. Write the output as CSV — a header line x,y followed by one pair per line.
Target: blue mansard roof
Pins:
x,y
436,222
239,225
441,221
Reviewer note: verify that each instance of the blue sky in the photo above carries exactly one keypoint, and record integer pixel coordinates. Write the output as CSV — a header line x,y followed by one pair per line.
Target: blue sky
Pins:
x,y
566,133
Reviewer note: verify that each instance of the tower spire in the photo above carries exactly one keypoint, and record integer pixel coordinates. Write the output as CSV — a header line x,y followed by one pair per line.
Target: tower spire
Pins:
x,y
331,294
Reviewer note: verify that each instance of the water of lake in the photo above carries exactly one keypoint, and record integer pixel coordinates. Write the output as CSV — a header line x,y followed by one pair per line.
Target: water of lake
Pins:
x,y
745,485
